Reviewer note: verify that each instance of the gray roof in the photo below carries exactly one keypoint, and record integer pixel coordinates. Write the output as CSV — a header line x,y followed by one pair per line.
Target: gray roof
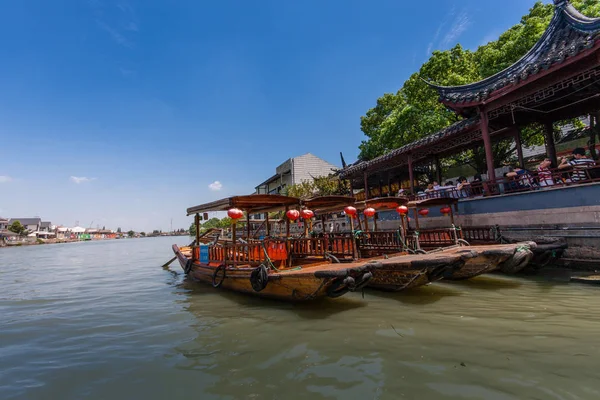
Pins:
x,y
569,34
425,142
26,221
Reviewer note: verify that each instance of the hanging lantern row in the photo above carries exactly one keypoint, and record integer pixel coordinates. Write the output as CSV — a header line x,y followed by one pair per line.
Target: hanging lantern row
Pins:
x,y
369,212
423,212
235,214
307,214
402,210
293,215
445,210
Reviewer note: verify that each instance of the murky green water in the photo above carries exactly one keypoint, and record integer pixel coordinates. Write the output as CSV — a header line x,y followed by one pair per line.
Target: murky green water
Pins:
x,y
103,321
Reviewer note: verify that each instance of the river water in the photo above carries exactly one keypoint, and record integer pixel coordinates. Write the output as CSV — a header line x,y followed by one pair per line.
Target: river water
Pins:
x,y
102,320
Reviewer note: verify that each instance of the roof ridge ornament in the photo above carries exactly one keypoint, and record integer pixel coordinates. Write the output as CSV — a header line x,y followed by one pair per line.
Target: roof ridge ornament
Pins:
x,y
559,3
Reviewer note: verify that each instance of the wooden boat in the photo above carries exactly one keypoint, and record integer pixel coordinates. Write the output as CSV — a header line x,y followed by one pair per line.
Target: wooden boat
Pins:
x,y
269,267
509,258
393,269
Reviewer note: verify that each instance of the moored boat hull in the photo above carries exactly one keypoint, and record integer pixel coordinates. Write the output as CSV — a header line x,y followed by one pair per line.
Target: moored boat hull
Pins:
x,y
410,271
295,284
509,259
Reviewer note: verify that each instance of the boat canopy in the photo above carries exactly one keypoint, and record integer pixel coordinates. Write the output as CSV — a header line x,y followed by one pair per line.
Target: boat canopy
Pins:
x,y
248,203
436,201
383,203
324,204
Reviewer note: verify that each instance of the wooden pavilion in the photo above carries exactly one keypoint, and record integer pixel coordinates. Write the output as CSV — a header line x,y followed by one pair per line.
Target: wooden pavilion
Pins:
x,y
558,79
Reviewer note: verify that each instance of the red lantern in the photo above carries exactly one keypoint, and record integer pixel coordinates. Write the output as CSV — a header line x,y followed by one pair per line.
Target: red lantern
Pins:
x,y
235,214
293,215
423,212
445,210
307,214
369,212
402,210
350,211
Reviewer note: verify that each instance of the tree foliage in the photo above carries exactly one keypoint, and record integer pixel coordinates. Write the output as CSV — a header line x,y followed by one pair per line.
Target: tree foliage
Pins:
x,y
414,111
17,228
320,186
130,233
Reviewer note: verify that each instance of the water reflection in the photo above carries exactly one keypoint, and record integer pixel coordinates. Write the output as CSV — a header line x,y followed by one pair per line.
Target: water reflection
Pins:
x,y
93,326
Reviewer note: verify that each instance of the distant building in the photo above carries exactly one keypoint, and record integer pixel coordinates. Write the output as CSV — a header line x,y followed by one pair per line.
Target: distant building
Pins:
x,y
294,171
31,224
3,223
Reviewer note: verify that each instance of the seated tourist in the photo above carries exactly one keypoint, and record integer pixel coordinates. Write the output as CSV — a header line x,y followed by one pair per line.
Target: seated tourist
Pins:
x,y
544,173
579,163
429,188
520,177
463,187
436,185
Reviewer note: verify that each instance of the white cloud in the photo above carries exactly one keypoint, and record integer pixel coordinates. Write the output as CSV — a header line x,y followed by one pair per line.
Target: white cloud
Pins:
x,y
461,23
81,179
215,186
5,179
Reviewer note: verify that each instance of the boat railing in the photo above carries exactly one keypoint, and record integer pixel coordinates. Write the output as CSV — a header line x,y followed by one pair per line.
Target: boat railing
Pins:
x,y
441,237
381,240
339,246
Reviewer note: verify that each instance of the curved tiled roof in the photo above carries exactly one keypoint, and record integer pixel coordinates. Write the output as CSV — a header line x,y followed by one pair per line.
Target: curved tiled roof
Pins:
x,y
568,34
443,134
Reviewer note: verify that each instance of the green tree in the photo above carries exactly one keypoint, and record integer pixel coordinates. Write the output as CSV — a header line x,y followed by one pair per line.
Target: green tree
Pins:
x,y
130,233
17,228
143,234
192,229
320,186
414,111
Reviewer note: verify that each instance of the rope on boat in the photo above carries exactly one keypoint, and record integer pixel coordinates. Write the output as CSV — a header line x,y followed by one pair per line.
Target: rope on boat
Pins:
x,y
521,257
333,258
259,278
267,257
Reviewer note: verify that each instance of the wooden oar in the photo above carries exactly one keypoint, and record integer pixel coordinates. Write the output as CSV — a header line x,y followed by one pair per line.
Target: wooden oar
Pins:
x,y
166,265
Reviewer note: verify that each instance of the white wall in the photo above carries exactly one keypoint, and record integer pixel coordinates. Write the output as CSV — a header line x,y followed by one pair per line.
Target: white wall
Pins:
x,y
309,166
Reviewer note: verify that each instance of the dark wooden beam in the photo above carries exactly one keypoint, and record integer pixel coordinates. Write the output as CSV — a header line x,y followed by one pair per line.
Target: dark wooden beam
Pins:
x,y
487,144
550,146
519,146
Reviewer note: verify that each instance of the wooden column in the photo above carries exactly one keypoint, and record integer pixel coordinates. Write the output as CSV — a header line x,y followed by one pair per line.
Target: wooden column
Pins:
x,y
248,225
268,228
411,175
287,223
519,146
549,138
365,177
487,145
197,224
389,185
438,169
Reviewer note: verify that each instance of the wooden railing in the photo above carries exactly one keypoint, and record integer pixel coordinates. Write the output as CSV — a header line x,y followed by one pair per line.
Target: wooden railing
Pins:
x,y
478,235
387,241
433,238
339,246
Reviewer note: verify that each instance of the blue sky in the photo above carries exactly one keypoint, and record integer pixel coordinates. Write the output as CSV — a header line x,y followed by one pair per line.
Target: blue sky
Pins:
x,y
122,113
